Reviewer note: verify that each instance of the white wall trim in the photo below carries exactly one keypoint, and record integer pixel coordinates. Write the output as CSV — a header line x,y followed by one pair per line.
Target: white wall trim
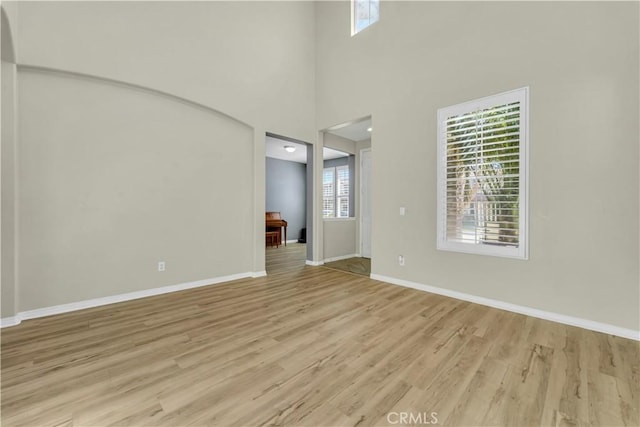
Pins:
x,y
360,192
292,241
9,321
97,302
257,274
339,258
529,311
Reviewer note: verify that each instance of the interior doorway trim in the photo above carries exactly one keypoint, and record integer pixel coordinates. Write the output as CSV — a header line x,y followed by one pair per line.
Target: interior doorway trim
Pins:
x,y
361,180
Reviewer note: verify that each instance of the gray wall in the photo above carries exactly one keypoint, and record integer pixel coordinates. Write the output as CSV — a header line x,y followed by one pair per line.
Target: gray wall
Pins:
x,y
581,62
287,193
341,161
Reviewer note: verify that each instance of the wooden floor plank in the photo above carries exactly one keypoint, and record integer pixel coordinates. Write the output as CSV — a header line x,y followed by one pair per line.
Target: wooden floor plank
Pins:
x,y
311,346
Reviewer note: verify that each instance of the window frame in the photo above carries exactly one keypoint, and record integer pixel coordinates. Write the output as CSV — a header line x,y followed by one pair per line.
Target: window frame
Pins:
x,y
520,95
354,28
324,198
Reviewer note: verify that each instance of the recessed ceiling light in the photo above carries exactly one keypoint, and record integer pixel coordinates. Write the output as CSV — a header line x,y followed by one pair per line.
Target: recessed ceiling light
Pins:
x,y
289,148
369,129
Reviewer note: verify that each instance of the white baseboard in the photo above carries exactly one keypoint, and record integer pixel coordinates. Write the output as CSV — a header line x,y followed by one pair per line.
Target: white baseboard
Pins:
x,y
340,258
337,258
292,241
529,311
97,302
257,274
5,322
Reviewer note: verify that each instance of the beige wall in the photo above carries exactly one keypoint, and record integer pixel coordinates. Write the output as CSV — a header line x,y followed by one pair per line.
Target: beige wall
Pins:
x,y
8,223
338,143
264,63
580,60
251,60
339,237
120,180
7,164
129,150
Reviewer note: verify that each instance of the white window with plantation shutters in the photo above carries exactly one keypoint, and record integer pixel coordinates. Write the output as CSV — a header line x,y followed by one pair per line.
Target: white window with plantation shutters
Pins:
x,y
335,192
328,193
482,176
342,191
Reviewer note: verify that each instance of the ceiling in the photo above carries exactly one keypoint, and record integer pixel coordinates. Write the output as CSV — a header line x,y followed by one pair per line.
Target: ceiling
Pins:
x,y
355,131
274,148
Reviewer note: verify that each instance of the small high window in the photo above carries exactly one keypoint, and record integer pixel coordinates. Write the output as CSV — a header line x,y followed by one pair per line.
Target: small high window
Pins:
x,y
363,14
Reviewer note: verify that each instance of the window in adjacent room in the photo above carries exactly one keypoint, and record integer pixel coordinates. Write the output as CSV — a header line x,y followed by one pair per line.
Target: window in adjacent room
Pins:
x,y
363,14
482,176
335,192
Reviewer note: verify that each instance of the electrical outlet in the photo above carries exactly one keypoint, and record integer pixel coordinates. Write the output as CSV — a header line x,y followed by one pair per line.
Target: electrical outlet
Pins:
x,y
161,266
402,211
400,259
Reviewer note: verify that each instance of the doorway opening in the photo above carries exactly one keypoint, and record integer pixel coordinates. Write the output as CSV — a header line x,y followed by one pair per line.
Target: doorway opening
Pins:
x,y
288,202
347,238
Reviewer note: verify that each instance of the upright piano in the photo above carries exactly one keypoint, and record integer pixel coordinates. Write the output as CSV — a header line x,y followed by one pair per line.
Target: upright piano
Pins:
x,y
274,222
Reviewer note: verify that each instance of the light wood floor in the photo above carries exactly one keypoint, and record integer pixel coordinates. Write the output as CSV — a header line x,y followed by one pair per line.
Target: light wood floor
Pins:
x,y
285,258
355,265
315,347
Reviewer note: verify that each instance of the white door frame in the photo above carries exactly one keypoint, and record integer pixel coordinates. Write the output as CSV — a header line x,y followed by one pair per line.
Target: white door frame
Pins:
x,y
361,181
